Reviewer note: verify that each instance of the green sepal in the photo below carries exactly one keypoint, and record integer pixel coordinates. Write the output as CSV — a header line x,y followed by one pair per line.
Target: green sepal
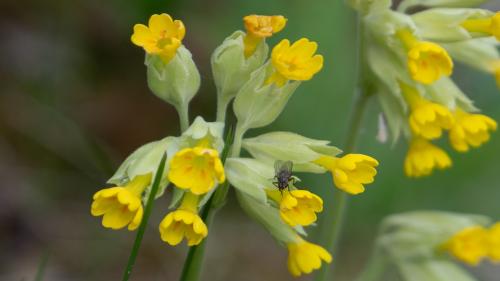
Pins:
x,y
230,68
444,25
258,105
176,82
250,177
269,217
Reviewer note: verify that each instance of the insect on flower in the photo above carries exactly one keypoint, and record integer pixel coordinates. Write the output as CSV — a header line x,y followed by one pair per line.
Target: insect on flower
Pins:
x,y
283,175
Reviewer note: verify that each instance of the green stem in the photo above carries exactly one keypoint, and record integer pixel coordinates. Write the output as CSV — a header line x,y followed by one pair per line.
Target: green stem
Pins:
x,y
183,112
222,104
194,260
144,221
41,266
334,219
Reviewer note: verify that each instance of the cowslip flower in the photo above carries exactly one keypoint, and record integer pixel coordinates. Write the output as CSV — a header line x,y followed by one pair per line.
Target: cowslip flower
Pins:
x,y
490,26
350,172
258,28
470,245
427,61
121,206
304,257
184,223
470,130
294,62
423,157
427,119
494,242
197,169
297,207
162,37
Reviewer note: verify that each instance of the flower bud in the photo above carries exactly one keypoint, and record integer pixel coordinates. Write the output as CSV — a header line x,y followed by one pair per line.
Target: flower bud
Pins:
x,y
205,134
290,147
258,105
175,82
231,69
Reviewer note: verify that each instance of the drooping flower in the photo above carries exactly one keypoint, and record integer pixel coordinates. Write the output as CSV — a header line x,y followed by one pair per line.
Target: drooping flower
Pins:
x,y
184,223
198,169
258,28
294,62
304,257
490,25
494,242
350,172
427,61
470,130
162,37
427,119
121,206
297,207
469,245
423,157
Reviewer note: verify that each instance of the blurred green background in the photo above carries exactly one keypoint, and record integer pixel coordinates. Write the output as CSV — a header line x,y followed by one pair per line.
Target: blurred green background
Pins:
x,y
74,103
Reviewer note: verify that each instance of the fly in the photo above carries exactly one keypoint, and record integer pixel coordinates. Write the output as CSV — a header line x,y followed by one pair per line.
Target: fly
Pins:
x,y
283,175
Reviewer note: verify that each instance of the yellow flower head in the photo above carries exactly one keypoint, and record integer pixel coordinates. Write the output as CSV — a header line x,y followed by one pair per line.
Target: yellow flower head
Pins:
x,y
121,206
494,242
427,61
184,223
351,171
423,157
470,130
304,257
294,62
198,169
298,207
489,25
264,26
469,245
427,119
163,36
260,27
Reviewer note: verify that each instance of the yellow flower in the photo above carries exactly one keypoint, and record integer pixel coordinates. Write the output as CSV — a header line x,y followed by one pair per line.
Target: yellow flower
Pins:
x,y
198,169
427,119
469,245
427,61
494,242
184,223
490,26
304,257
295,62
470,130
423,157
121,206
297,207
351,171
260,27
163,36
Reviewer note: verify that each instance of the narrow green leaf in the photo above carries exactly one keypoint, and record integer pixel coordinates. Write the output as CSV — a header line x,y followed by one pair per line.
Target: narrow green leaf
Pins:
x,y
145,218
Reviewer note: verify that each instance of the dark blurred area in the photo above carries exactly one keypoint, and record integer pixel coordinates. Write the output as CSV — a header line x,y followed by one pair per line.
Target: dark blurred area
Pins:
x,y
74,103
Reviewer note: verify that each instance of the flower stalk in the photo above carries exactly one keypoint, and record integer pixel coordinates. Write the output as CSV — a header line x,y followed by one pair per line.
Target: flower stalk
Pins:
x,y
330,232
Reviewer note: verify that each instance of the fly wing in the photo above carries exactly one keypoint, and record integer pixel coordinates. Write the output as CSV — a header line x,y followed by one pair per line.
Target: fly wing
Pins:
x,y
283,167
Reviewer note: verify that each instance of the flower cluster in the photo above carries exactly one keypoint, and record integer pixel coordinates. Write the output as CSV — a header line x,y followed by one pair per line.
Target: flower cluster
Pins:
x,y
410,59
204,160
428,243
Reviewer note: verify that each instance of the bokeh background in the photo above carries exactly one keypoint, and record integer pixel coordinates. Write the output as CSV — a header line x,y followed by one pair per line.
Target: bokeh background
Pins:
x,y
74,103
